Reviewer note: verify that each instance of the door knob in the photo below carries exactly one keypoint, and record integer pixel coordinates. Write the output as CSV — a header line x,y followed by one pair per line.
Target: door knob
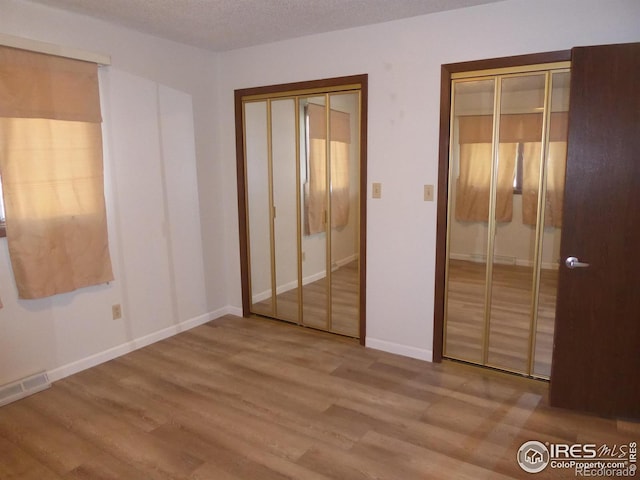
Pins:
x,y
573,262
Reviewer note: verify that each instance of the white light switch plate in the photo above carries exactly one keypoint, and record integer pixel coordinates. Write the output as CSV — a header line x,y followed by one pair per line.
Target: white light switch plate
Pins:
x,y
428,193
376,190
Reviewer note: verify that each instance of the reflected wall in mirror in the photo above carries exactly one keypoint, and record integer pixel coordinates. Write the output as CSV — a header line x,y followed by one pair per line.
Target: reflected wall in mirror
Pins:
x,y
507,160
283,147
300,191
258,202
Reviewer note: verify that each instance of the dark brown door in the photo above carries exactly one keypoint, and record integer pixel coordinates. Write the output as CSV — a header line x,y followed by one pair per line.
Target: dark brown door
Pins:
x,y
596,356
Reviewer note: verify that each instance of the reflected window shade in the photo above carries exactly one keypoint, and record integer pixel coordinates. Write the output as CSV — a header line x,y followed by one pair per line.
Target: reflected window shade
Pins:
x,y
474,182
514,128
316,189
475,137
556,166
52,173
339,184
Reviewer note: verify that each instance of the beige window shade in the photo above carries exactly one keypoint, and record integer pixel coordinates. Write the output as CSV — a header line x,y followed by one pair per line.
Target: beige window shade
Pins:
x,y
526,127
474,182
35,85
316,186
52,173
556,166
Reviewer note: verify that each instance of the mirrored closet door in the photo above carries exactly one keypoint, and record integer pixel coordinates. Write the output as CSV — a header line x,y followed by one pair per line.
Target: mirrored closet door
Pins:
x,y
300,177
507,166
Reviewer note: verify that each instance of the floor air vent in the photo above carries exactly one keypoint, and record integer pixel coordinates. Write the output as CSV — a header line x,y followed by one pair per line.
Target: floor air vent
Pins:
x,y
23,388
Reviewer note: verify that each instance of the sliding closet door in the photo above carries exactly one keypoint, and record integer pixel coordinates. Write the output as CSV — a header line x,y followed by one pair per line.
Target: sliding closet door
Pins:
x,y
300,203
551,206
315,182
520,140
469,197
344,178
258,174
272,207
285,208
508,131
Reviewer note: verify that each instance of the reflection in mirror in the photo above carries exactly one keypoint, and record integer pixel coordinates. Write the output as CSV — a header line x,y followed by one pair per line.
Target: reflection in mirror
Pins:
x,y
508,144
468,227
299,165
344,207
512,281
257,173
554,197
283,146
330,191
313,178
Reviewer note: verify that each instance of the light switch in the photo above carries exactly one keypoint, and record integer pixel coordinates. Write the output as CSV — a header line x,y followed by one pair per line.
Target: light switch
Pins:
x,y
428,193
376,190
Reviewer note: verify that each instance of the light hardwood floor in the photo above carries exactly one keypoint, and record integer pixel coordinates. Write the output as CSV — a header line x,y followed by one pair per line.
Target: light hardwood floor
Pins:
x,y
510,316
258,399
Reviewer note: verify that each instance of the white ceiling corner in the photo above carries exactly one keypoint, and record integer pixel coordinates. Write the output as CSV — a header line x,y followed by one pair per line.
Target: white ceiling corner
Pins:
x,y
220,25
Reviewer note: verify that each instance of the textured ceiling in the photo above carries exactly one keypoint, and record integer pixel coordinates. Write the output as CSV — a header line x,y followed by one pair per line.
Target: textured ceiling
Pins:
x,y
220,25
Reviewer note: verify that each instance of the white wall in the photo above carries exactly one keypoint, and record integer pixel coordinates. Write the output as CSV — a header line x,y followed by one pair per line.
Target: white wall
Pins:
x,y
403,60
159,258
163,202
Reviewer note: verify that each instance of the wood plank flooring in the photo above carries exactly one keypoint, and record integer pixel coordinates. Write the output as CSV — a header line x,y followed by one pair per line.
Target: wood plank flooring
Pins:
x,y
263,400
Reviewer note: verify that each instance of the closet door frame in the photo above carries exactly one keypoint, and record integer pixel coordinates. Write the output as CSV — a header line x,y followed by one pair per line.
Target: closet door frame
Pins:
x,y
446,73
329,84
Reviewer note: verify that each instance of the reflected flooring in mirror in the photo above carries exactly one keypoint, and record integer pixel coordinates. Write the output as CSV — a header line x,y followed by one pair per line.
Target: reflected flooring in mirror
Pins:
x,y
510,320
345,318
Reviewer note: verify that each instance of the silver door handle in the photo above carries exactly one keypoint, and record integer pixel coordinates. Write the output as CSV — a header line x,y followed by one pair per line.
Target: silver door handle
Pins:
x,y
573,262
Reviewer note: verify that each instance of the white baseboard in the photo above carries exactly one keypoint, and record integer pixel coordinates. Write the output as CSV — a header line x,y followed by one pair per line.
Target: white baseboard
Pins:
x,y
230,310
117,351
399,349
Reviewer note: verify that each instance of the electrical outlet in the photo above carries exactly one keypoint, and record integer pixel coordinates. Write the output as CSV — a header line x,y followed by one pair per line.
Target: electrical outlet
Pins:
x,y
116,311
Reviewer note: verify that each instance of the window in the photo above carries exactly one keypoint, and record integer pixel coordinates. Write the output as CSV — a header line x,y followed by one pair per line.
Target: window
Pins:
x,y
51,167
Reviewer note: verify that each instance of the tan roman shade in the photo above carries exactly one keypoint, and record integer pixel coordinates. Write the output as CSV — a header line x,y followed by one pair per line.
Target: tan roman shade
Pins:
x,y
52,173
35,85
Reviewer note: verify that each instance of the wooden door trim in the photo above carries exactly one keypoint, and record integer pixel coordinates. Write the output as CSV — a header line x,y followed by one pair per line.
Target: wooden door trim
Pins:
x,y
327,83
446,72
